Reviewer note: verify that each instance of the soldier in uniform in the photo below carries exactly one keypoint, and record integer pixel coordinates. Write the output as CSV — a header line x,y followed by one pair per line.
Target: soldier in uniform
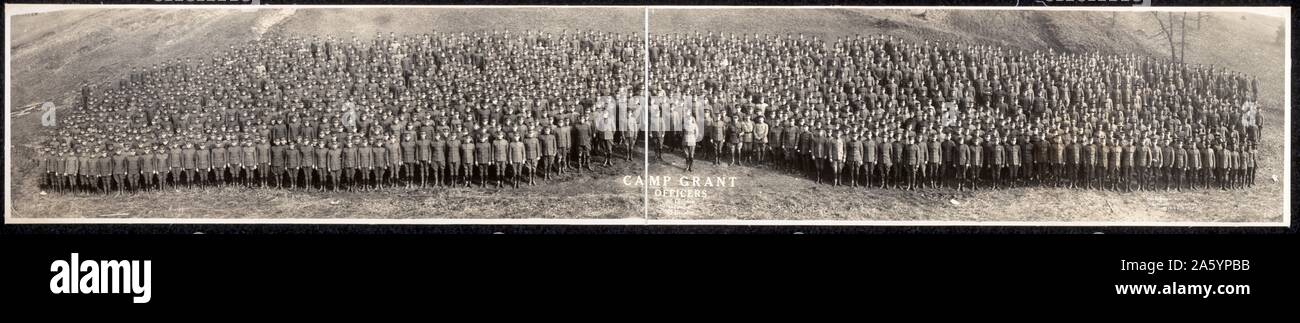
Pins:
x,y
423,158
500,150
220,162
409,164
105,166
688,140
790,145
563,144
747,139
483,160
188,159
761,139
1208,166
393,146
734,133
584,135
963,162
997,160
1058,171
977,156
719,136
550,152
203,162
147,169
607,133
292,163
1129,164
437,157
870,158
68,170
1222,162
886,160
264,160
277,162
1141,159
934,160
453,147
248,163
1167,153
1193,172
468,147
836,148
532,153
517,157
854,148
132,169
1014,161
86,170
1252,163
366,161
334,164
1180,166
1091,151
1073,162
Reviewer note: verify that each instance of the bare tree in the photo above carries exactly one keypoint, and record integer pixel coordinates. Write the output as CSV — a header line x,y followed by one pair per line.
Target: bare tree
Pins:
x,y
1182,52
1175,33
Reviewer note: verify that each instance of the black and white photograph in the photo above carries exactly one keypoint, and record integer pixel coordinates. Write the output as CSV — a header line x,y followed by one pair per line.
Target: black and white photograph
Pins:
x,y
649,115
195,113
937,115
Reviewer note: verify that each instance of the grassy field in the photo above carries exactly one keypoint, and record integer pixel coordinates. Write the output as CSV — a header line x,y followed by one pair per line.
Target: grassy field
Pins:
x,y
53,53
1237,41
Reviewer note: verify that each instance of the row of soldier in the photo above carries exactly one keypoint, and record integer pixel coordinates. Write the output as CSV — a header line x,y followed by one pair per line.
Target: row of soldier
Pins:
x,y
1078,119
445,158
287,90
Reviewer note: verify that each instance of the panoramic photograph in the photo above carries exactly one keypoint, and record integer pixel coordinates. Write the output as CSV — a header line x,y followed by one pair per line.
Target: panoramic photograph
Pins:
x,y
696,116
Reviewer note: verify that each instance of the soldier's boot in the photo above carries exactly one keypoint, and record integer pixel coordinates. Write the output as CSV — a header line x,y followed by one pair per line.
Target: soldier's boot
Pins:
x,y
531,175
589,167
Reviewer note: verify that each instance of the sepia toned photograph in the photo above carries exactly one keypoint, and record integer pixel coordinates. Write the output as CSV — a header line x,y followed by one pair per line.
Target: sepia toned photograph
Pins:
x,y
935,115
295,113
648,115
